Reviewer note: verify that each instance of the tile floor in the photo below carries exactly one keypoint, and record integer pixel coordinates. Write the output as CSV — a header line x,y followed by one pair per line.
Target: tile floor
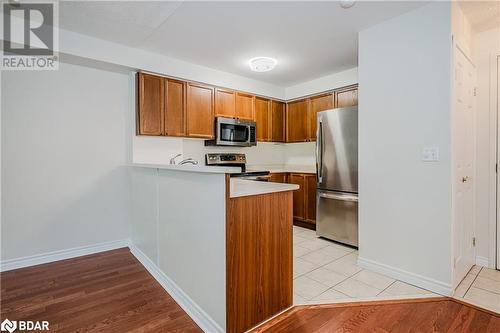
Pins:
x,y
481,287
327,272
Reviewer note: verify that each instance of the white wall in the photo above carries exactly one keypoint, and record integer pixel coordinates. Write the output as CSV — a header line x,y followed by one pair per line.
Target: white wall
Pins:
x,y
325,83
404,106
300,154
486,46
65,144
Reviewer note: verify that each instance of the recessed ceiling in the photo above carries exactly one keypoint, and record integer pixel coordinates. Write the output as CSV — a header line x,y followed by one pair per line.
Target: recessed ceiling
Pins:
x,y
308,39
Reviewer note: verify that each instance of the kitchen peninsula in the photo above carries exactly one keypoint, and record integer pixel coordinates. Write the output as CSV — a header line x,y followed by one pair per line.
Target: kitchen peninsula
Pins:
x,y
221,246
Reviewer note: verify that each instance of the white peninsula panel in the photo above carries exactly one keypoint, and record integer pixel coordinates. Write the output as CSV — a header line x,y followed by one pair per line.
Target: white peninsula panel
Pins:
x,y
179,225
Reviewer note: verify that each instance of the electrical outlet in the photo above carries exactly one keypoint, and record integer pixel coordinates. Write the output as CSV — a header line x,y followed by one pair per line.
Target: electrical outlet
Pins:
x,y
430,154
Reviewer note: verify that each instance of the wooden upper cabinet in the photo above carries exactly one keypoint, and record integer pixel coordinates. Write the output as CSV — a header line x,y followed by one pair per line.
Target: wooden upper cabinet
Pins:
x,y
175,108
347,98
151,105
244,106
262,118
310,198
318,104
297,121
298,196
277,122
200,111
225,103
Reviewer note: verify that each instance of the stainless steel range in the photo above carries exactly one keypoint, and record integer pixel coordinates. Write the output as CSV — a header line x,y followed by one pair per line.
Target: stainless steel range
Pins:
x,y
236,160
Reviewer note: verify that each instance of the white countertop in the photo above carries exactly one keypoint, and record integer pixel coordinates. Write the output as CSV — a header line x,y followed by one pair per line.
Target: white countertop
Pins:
x,y
189,168
243,188
283,168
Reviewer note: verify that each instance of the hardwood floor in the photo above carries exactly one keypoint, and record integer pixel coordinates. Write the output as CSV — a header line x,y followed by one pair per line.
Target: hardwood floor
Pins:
x,y
423,315
104,292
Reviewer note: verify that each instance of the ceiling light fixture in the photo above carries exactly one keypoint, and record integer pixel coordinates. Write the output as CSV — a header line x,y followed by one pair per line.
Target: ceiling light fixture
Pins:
x,y
262,64
347,3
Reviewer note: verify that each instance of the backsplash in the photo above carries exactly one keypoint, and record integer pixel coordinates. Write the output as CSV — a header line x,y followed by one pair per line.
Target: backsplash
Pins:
x,y
159,150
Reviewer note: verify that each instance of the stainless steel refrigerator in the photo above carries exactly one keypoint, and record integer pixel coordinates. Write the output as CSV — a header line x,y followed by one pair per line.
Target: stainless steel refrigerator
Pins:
x,y
337,175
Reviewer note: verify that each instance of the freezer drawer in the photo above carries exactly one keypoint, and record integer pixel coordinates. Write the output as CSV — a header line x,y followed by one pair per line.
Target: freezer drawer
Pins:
x,y
337,216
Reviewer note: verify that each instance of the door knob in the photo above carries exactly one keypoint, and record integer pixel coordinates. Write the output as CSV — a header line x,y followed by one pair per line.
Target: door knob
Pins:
x,y
464,179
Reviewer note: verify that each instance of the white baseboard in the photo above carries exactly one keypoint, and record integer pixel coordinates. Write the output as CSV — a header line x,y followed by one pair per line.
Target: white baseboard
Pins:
x,y
201,318
38,259
482,261
408,277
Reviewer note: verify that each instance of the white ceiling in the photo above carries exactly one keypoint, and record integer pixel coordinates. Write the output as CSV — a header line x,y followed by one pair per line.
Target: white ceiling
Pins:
x,y
309,39
482,15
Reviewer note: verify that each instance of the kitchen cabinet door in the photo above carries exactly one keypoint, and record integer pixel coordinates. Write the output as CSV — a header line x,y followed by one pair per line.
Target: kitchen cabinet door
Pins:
x,y
175,108
347,98
262,118
277,121
200,111
297,121
278,177
310,198
318,103
298,195
244,106
151,105
225,103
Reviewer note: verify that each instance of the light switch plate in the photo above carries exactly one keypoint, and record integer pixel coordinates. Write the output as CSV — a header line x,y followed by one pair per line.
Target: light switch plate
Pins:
x,y
430,154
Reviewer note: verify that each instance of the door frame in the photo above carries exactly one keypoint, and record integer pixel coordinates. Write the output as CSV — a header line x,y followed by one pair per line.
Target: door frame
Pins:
x,y
494,225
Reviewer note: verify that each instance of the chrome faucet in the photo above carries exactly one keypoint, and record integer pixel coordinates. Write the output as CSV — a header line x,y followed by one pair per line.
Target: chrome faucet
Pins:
x,y
172,160
189,161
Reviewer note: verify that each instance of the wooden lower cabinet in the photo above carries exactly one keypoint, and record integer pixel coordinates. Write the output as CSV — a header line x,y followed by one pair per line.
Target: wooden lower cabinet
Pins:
x,y
258,259
304,199
298,196
279,177
310,198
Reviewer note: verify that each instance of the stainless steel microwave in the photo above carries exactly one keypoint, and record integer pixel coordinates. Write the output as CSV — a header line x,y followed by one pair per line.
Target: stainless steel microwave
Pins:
x,y
233,132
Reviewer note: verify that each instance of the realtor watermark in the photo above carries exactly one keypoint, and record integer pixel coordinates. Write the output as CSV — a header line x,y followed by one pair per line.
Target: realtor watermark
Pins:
x,y
24,325
30,35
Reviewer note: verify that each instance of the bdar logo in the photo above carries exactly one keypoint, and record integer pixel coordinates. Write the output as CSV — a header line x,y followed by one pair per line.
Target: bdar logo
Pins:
x,y
8,325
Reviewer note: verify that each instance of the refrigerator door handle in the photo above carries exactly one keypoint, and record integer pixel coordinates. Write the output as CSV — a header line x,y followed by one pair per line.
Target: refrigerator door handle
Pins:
x,y
341,197
319,152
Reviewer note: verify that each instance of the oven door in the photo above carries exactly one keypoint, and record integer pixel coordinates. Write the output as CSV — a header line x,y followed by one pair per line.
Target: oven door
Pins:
x,y
232,132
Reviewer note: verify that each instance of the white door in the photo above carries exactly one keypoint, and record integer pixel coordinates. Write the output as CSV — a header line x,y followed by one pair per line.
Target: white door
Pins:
x,y
463,164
